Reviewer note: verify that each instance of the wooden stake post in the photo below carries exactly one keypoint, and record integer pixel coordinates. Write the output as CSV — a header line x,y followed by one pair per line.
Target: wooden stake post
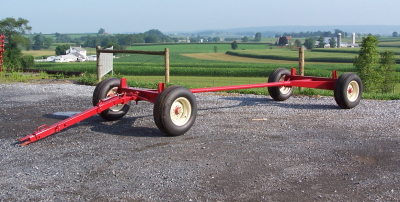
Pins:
x,y
301,64
166,65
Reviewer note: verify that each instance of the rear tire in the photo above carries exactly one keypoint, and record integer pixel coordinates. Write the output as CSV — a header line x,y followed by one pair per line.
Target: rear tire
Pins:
x,y
175,110
348,90
104,89
279,93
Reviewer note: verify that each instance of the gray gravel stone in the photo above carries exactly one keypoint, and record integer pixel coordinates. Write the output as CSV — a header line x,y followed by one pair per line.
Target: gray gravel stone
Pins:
x,y
241,148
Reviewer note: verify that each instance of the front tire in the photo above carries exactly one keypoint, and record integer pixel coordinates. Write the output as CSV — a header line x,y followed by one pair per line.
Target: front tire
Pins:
x,y
279,93
175,110
104,89
348,90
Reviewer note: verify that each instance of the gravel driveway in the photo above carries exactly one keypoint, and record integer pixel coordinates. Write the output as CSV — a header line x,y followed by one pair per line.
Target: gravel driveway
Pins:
x,y
241,148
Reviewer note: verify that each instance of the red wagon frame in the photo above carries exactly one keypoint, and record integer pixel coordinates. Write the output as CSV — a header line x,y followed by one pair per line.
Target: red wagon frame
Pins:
x,y
175,107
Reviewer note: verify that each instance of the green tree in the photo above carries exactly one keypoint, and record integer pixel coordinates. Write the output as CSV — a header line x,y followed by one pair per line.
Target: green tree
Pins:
x,y
111,44
61,49
216,39
77,42
12,58
337,31
48,41
283,41
154,31
297,43
332,42
63,38
215,49
175,39
245,39
151,39
257,37
387,70
395,34
309,43
13,31
37,42
234,45
101,31
27,61
367,62
194,39
321,43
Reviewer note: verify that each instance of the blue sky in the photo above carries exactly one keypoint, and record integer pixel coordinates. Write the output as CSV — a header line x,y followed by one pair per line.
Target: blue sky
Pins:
x,y
121,16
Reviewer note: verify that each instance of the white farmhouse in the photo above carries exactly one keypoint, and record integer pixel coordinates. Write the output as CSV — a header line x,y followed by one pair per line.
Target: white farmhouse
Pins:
x,y
73,54
78,52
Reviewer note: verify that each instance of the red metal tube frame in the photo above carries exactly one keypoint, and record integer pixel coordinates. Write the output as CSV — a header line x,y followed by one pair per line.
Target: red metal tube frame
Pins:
x,y
290,80
126,94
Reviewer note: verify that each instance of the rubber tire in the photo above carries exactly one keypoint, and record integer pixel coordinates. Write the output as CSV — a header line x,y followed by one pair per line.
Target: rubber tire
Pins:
x,y
101,91
275,92
341,93
163,106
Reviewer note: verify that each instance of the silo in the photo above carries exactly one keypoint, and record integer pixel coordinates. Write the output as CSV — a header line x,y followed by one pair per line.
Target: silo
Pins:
x,y
339,39
353,41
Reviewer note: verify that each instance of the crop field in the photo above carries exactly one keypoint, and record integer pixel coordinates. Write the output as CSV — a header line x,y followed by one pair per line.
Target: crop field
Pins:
x,y
343,55
198,47
181,65
394,49
390,42
293,55
199,65
40,54
232,58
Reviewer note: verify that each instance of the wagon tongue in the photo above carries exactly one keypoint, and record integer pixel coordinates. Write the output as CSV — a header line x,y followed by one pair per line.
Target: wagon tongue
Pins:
x,y
34,136
44,130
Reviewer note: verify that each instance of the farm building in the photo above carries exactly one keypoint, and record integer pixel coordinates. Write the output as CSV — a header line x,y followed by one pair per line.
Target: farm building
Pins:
x,y
73,54
92,58
342,44
78,52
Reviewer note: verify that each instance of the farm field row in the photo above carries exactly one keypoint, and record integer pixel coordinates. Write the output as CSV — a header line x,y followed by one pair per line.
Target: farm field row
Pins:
x,y
145,65
200,80
340,56
206,65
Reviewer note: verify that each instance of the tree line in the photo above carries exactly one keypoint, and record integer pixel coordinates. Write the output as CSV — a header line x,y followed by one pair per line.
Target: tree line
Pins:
x,y
119,41
314,34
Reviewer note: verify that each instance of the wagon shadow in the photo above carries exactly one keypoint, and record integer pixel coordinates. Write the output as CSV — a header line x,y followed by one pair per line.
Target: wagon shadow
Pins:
x,y
125,127
269,101
121,127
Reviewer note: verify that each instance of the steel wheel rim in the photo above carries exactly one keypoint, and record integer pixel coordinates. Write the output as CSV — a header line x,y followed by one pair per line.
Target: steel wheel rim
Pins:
x,y
117,107
284,89
353,90
181,111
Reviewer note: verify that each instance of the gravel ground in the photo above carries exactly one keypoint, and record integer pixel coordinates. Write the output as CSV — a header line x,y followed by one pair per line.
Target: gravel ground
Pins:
x,y
241,148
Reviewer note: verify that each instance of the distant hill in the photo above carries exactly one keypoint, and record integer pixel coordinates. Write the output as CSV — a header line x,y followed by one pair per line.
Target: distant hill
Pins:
x,y
383,30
